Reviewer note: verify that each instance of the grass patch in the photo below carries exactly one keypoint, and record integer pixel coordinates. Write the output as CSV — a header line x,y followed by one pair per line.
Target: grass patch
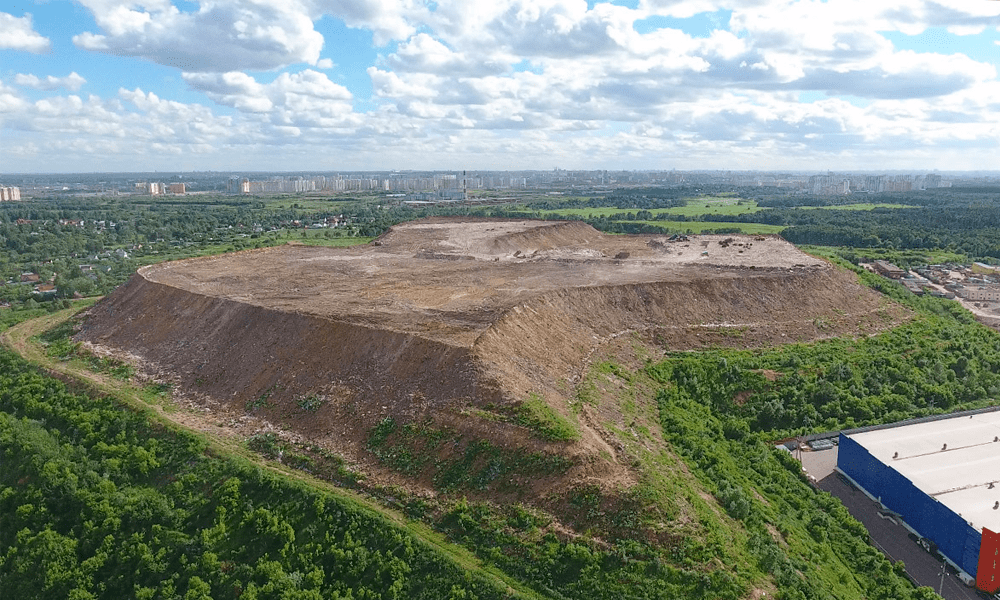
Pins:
x,y
711,227
309,458
10,317
536,414
588,391
157,393
58,344
325,204
310,403
262,401
316,203
452,462
694,207
331,242
58,341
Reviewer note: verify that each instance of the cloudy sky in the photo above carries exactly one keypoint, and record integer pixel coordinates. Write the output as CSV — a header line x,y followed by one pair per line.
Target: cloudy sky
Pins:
x,y
118,85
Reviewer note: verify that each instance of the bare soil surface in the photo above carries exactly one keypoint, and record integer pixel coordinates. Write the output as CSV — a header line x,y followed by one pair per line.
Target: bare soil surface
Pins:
x,y
451,280
441,316
987,313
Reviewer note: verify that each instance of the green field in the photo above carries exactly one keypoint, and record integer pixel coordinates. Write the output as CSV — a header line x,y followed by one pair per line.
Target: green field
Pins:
x,y
701,226
307,203
530,197
316,237
694,207
334,242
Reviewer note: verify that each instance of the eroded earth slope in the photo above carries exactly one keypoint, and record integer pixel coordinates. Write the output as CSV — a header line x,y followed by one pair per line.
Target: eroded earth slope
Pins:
x,y
442,321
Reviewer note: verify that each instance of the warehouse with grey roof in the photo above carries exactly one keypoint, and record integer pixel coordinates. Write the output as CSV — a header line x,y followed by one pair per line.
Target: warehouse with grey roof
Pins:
x,y
942,477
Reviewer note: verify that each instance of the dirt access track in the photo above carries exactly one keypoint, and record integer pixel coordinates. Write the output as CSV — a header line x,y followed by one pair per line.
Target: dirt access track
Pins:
x,y
441,315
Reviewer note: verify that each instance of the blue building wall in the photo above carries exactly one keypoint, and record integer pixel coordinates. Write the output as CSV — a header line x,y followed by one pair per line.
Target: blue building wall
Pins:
x,y
955,538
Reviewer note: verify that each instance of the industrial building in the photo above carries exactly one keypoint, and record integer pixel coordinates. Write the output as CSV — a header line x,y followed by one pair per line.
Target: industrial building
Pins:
x,y
987,293
941,478
887,269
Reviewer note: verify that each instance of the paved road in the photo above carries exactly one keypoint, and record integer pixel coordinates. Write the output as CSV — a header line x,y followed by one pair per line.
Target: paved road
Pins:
x,y
893,539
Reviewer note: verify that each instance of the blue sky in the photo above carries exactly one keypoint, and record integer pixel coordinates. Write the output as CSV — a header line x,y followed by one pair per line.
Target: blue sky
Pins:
x,y
408,84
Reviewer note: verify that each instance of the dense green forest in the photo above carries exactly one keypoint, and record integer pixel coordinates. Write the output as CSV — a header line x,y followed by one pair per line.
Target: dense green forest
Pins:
x,y
98,502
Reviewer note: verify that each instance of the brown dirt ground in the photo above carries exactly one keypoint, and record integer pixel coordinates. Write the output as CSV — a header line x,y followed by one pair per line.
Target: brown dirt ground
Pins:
x,y
440,315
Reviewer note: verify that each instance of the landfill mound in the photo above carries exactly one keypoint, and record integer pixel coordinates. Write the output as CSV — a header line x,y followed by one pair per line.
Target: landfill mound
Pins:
x,y
571,234
442,316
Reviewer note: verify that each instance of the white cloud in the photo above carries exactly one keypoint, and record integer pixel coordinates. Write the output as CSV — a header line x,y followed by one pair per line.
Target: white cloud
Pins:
x,y
519,29
387,84
134,131
683,9
423,53
308,99
230,35
462,74
221,36
10,101
387,19
542,82
72,82
234,89
18,34
966,29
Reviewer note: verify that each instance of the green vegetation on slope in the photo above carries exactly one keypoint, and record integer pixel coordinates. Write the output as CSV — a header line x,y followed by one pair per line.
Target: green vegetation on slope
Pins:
x,y
718,408
412,449
803,537
98,502
940,361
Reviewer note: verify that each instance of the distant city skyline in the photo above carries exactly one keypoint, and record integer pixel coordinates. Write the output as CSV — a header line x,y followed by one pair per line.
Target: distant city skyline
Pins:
x,y
379,85
449,185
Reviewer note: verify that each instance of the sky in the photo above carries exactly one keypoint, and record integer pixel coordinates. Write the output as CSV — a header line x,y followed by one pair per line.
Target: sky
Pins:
x,y
327,85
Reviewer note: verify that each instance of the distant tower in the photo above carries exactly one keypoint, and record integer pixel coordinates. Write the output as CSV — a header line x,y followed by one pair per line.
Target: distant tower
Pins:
x,y
465,186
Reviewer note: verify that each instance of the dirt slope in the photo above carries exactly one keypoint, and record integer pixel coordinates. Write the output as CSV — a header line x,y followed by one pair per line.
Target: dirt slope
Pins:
x,y
440,316
549,338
